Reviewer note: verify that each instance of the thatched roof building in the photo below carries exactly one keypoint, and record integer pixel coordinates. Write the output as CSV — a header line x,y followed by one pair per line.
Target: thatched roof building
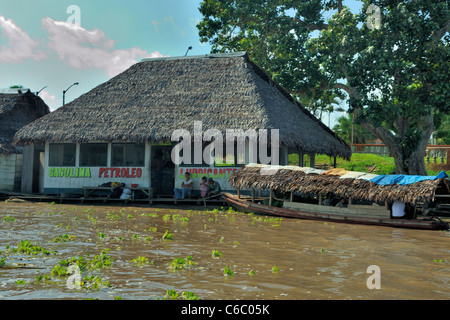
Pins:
x,y
346,184
16,111
154,97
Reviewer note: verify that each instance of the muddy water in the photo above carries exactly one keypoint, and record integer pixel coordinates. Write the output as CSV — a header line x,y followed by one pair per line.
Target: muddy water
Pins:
x,y
315,260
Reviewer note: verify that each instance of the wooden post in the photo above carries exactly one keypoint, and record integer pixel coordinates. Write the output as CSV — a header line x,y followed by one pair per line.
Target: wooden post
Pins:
x,y
253,194
320,199
239,193
270,196
27,169
312,160
291,198
300,159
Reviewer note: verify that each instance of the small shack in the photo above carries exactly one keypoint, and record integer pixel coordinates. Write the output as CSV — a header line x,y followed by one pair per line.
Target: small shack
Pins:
x,y
17,109
122,130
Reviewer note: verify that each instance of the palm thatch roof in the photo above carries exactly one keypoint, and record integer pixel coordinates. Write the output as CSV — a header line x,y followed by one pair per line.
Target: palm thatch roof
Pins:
x,y
343,184
17,110
154,97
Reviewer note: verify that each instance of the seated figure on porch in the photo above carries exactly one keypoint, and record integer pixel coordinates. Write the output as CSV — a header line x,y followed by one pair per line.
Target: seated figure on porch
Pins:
x,y
213,187
186,187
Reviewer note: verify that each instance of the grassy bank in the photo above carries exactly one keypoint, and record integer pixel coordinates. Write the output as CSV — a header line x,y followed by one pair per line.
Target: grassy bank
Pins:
x,y
363,162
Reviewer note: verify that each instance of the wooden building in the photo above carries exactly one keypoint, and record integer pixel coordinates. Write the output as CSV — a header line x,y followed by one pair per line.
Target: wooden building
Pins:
x,y
17,109
122,129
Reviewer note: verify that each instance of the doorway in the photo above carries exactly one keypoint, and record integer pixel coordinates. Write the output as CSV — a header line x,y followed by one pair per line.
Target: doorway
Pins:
x,y
162,170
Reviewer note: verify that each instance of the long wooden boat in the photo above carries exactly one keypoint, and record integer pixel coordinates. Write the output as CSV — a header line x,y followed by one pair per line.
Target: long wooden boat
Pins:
x,y
366,216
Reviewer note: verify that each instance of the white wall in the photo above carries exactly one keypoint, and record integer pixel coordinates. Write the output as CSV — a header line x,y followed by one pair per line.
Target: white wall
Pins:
x,y
10,172
69,177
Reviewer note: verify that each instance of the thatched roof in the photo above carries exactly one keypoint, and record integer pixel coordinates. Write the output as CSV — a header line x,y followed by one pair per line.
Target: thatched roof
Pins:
x,y
16,111
154,97
343,184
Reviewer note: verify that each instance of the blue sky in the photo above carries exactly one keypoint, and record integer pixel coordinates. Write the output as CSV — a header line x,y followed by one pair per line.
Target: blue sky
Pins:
x,y
40,46
37,49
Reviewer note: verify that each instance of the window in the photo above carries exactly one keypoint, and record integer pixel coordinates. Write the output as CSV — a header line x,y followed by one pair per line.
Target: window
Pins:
x,y
93,155
62,155
128,155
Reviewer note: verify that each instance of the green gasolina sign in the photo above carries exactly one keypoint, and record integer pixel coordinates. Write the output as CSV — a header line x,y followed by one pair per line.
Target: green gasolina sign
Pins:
x,y
69,172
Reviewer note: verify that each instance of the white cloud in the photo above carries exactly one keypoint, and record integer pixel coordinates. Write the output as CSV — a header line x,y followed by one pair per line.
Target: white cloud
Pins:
x,y
50,100
87,49
20,45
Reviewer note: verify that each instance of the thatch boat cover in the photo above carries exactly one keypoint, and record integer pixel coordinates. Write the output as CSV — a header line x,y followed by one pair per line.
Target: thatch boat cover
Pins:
x,y
16,111
342,183
154,97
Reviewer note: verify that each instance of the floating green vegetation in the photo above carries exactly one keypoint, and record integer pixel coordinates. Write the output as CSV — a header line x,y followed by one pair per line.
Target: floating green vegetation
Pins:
x,y
322,250
228,272
135,237
182,263
94,283
167,235
42,277
180,218
251,273
141,261
64,238
275,269
27,247
9,219
216,253
185,295
274,221
439,260
112,217
21,282
102,260
101,235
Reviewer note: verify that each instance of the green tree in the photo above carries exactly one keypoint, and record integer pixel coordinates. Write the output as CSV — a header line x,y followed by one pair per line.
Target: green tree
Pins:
x,y
344,129
394,72
443,132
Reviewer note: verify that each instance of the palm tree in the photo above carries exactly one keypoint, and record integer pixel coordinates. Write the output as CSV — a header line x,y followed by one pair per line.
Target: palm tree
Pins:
x,y
344,129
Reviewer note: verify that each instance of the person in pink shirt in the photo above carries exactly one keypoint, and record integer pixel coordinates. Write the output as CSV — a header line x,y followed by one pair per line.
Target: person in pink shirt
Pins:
x,y
203,187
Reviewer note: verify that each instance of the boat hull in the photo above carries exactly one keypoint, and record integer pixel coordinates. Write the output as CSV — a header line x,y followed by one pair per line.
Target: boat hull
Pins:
x,y
251,207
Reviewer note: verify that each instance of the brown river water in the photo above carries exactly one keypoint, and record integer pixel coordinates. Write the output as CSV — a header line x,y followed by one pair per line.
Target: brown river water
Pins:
x,y
312,259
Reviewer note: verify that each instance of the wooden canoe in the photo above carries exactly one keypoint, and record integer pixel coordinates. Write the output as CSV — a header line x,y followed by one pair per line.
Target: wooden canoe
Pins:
x,y
247,206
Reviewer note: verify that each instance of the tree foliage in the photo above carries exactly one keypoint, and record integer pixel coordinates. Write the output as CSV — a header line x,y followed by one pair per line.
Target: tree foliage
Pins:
x,y
394,74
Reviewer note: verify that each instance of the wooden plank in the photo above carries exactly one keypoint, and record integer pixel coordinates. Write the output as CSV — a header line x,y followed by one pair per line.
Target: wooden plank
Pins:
x,y
382,212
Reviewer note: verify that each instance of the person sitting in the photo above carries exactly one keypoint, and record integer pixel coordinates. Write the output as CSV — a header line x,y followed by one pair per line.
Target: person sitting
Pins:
x,y
398,210
117,191
203,187
186,187
341,203
213,187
